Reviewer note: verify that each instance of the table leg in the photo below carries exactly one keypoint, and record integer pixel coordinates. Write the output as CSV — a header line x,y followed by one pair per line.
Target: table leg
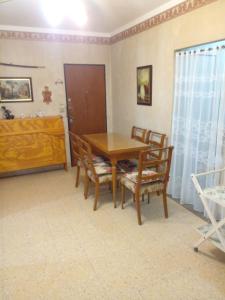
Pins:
x,y
113,162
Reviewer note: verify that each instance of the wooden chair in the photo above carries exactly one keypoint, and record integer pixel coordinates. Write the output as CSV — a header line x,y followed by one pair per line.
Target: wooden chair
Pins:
x,y
99,173
156,140
75,141
138,134
146,181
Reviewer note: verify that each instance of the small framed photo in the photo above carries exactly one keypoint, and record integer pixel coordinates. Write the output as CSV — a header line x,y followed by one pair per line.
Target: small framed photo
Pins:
x,y
144,85
15,89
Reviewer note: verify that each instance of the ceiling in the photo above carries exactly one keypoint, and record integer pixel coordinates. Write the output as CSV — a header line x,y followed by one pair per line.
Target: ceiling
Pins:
x,y
104,16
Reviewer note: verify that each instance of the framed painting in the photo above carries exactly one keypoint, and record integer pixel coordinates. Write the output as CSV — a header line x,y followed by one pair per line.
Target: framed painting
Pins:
x,y
15,89
144,85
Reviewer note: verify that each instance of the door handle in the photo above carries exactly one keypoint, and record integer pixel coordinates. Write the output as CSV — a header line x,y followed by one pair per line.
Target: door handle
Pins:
x,y
69,99
70,120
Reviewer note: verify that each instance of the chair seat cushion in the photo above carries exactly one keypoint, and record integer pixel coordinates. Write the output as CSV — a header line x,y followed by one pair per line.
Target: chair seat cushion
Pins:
x,y
128,165
98,159
103,168
79,163
148,186
104,172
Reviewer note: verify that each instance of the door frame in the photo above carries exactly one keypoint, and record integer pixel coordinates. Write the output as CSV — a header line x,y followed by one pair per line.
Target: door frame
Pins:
x,y
67,111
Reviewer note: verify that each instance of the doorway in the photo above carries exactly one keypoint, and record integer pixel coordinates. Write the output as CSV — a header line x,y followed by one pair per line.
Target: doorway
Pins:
x,y
86,99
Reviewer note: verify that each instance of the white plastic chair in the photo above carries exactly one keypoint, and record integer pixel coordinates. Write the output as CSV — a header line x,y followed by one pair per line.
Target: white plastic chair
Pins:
x,y
213,232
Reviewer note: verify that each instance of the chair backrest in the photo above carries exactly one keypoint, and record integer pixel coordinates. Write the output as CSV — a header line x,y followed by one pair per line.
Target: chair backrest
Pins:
x,y
163,165
74,145
156,140
87,158
138,134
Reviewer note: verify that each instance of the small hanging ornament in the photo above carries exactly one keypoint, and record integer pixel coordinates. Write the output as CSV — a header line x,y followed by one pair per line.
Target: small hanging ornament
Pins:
x,y
46,95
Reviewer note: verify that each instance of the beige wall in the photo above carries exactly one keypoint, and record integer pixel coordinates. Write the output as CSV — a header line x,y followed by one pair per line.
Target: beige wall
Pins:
x,y
52,56
156,46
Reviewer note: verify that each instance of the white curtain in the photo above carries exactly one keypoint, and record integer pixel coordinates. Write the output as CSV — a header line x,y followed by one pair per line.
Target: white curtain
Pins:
x,y
198,121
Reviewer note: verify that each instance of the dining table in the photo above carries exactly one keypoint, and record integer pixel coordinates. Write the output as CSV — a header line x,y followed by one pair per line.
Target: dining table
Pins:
x,y
115,147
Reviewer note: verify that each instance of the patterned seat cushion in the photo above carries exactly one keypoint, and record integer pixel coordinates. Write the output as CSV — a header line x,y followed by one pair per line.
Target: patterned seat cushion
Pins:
x,y
103,168
104,172
128,165
98,159
148,186
79,163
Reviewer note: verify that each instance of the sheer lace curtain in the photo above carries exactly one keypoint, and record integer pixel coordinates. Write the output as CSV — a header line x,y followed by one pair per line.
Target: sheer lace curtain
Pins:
x,y
198,121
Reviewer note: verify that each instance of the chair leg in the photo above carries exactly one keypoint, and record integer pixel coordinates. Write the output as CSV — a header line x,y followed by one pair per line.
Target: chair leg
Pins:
x,y
77,176
86,186
157,170
118,184
96,195
122,195
148,198
110,186
143,197
138,208
165,204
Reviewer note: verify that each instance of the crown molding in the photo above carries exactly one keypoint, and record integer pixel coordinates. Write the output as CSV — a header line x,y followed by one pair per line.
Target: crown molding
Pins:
x,y
164,13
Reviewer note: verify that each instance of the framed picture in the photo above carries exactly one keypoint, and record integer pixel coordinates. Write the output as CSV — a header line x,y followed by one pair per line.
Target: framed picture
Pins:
x,y
13,89
144,85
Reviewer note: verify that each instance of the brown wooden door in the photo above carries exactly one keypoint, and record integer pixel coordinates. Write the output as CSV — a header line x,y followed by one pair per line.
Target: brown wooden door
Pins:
x,y
86,99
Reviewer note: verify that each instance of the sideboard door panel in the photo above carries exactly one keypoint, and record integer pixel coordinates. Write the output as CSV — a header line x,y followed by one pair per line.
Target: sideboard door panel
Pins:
x,y
31,143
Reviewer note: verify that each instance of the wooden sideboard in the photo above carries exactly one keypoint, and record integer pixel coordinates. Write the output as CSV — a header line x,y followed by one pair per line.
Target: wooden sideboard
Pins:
x,y
31,143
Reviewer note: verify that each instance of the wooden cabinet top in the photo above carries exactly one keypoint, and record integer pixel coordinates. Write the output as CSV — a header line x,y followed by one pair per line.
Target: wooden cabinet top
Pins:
x,y
31,125
34,118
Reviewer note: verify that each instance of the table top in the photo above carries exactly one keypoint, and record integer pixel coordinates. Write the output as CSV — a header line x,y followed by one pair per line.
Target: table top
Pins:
x,y
114,143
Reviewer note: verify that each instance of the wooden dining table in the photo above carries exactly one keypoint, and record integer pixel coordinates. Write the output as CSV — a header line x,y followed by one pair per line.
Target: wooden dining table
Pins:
x,y
115,147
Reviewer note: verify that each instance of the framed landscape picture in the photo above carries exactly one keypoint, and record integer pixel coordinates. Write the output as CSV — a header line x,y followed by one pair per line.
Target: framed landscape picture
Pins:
x,y
13,89
144,85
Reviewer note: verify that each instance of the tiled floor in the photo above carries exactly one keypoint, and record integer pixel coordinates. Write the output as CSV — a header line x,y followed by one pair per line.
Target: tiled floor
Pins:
x,y
53,246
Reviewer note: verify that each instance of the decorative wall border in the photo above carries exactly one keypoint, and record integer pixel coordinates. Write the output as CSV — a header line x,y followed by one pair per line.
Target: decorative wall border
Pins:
x,y
53,37
169,14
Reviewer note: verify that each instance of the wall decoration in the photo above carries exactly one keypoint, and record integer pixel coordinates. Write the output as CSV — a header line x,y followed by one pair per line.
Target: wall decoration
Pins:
x,y
47,95
144,85
20,66
16,89
7,114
